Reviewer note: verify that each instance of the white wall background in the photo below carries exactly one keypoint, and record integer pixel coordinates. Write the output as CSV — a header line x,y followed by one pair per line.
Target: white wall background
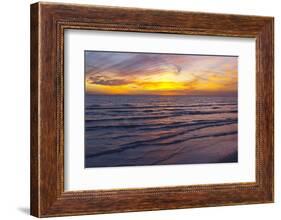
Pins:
x,y
14,117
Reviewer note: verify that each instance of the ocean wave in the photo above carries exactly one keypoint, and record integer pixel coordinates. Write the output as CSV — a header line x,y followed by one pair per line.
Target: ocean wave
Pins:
x,y
161,126
140,144
133,130
159,116
135,106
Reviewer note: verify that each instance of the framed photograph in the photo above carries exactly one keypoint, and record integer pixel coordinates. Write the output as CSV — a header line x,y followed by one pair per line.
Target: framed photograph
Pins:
x,y
137,109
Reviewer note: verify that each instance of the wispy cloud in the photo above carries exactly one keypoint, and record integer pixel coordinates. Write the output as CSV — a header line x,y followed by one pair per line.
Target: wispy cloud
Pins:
x,y
145,73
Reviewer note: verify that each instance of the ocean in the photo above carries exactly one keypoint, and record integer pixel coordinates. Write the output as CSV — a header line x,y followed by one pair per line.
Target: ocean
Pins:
x,y
124,130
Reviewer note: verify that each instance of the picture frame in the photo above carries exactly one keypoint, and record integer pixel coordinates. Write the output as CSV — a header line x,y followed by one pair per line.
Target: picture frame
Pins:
x,y
48,24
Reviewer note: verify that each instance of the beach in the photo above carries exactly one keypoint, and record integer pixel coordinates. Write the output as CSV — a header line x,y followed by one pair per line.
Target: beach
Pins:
x,y
136,130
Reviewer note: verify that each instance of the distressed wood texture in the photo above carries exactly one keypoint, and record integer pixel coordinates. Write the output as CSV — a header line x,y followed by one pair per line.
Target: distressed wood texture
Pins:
x,y
48,22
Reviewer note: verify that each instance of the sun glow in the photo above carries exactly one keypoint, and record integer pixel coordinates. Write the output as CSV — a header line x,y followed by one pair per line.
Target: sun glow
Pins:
x,y
157,74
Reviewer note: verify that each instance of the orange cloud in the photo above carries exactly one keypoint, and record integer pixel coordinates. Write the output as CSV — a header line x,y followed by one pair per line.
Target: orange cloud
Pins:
x,y
160,74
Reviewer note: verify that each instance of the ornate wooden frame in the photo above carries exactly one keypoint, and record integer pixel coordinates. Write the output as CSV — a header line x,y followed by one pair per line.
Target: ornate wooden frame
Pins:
x,y
48,22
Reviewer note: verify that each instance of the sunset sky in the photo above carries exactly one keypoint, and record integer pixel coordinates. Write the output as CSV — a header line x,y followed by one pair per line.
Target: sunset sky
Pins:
x,y
120,73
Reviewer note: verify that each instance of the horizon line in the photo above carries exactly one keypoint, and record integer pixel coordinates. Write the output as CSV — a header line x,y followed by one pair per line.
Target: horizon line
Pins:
x,y
218,95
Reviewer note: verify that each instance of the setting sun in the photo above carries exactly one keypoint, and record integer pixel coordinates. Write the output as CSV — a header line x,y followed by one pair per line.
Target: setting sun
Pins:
x,y
159,74
160,109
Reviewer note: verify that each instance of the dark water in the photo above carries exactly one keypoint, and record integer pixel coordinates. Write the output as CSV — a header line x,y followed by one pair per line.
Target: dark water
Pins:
x,y
159,130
